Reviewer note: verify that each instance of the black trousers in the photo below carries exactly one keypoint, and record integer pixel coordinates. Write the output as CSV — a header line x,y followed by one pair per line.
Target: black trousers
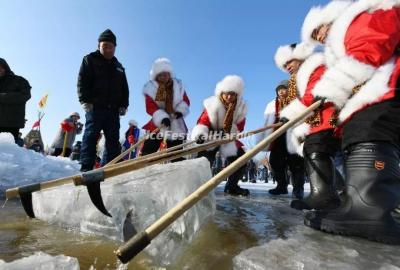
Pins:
x,y
281,160
153,144
234,178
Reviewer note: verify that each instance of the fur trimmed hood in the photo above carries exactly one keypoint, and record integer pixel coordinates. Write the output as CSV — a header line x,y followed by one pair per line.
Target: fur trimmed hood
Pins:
x,y
306,69
216,112
161,65
320,15
289,52
231,83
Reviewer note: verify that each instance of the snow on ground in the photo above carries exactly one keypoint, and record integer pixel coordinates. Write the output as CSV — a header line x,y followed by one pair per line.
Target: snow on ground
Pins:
x,y
42,261
20,166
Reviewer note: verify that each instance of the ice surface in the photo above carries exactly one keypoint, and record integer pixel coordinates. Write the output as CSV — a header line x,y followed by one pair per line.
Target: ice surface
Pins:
x,y
135,200
306,248
42,261
20,166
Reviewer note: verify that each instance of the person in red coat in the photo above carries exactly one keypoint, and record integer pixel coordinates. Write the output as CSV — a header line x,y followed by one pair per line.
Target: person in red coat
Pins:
x,y
168,104
362,79
314,138
223,114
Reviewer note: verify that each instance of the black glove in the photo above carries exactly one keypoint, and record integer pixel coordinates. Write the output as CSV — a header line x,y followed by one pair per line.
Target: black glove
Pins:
x,y
178,115
200,140
166,122
322,99
283,120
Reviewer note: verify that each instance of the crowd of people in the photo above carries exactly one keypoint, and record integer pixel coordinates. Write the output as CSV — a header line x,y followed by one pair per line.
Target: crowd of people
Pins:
x,y
355,78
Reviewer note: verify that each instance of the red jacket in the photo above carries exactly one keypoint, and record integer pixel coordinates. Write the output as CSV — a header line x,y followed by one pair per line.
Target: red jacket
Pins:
x,y
310,72
156,109
361,50
212,118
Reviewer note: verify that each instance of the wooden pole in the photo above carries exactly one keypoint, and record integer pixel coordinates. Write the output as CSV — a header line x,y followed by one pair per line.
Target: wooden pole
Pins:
x,y
123,154
65,144
130,165
141,240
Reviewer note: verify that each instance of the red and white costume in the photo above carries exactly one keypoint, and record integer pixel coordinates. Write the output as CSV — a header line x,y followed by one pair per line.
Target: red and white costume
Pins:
x,y
309,74
156,109
360,50
212,117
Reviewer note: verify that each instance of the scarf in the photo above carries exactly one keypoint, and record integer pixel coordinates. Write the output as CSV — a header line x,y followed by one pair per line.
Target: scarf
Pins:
x,y
292,94
230,110
165,93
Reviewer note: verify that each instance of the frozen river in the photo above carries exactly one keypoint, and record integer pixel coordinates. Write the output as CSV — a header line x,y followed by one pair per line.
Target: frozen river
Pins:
x,y
259,232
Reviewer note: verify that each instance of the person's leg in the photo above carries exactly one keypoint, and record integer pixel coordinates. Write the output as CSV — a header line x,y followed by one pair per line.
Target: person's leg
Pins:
x,y
89,140
68,152
172,143
372,194
111,133
231,186
209,155
296,167
321,173
56,152
151,145
278,161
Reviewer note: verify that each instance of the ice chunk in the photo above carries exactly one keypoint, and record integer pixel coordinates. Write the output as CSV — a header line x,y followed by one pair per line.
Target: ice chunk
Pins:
x,y
135,200
42,261
306,248
20,166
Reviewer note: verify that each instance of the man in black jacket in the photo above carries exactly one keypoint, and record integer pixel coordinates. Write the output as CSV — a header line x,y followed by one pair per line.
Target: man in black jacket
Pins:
x,y
104,94
15,91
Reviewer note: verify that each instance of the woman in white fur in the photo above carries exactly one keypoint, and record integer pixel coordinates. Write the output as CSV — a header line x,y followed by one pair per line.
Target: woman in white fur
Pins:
x,y
168,104
224,114
363,67
314,138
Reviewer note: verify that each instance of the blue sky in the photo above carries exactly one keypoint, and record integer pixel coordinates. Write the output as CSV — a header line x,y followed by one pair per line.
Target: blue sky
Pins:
x,y
44,41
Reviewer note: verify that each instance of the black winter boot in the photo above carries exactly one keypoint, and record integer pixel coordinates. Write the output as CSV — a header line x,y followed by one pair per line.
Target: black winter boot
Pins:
x,y
298,185
371,196
281,188
321,172
231,186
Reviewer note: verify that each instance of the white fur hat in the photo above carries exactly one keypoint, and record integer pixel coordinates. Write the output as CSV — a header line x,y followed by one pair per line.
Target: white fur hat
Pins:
x,y
161,65
133,123
289,52
320,15
231,83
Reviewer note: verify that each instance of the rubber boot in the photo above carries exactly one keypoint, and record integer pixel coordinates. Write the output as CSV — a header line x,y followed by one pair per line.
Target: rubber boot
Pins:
x,y
321,172
281,188
371,196
298,185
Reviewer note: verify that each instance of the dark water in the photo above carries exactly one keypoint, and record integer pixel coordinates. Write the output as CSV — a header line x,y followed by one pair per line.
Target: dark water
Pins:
x,y
239,224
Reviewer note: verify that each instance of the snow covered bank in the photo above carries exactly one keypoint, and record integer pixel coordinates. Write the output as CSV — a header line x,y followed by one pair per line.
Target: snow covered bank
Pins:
x,y
41,261
20,166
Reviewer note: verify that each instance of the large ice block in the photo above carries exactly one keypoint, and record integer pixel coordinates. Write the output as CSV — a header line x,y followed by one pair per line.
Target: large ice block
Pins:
x,y
42,261
135,200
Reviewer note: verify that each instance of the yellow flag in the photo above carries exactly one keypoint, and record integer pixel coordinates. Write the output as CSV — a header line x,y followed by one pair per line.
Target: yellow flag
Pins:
x,y
43,101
